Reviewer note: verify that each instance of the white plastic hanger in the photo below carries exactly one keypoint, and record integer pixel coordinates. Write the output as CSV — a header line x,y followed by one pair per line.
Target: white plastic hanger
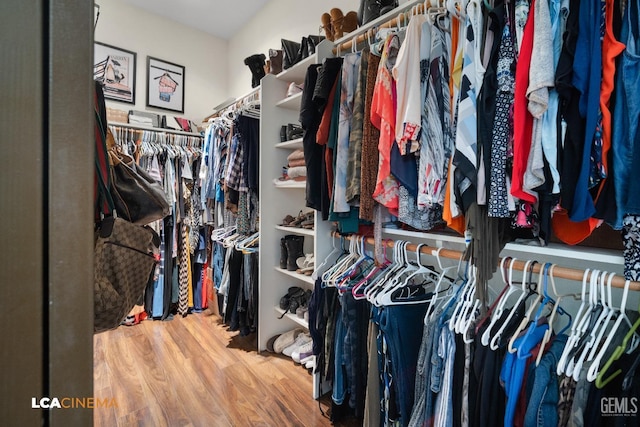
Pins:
x,y
462,302
385,298
470,313
511,348
587,319
371,288
441,279
247,244
399,263
406,268
594,369
329,276
556,308
562,362
592,330
363,257
455,324
547,272
495,340
334,251
499,310
612,311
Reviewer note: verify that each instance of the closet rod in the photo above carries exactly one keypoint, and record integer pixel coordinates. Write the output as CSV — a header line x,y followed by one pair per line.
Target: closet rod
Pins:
x,y
558,271
402,17
152,129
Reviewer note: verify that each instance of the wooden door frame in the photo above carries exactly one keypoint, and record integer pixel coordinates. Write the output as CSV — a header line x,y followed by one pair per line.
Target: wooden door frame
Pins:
x,y
46,192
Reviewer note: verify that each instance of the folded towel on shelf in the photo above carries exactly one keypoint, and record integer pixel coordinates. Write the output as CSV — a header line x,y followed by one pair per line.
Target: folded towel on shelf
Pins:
x,y
141,117
296,155
296,172
295,163
139,120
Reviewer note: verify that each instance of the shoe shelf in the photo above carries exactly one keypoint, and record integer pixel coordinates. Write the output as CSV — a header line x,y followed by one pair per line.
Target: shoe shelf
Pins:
x,y
296,230
294,144
298,72
298,276
291,102
293,317
283,198
290,184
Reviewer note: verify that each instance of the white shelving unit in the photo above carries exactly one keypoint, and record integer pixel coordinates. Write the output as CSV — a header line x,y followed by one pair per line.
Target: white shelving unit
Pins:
x,y
294,275
291,184
278,199
291,103
295,230
298,72
293,144
292,317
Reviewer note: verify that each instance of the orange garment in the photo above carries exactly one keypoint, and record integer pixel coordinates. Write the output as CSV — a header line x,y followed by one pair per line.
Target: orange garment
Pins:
x,y
322,136
383,117
611,48
453,85
457,223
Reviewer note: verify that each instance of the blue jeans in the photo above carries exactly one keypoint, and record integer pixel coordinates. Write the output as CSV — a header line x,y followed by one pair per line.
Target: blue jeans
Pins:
x,y
402,326
339,384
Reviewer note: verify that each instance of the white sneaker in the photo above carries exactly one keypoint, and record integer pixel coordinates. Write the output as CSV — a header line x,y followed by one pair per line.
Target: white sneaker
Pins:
x,y
300,340
311,363
302,352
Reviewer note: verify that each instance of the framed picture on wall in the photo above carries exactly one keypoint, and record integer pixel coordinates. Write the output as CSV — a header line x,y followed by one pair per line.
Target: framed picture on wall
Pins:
x,y
115,68
165,85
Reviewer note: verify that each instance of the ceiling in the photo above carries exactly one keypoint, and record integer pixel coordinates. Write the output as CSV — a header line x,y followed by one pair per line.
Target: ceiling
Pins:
x,y
220,18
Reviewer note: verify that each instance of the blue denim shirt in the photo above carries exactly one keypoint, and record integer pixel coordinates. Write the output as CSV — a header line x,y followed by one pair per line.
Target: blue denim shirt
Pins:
x,y
513,369
543,388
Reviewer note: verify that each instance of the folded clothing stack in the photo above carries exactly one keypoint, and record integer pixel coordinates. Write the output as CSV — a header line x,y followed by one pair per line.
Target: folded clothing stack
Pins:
x,y
115,115
296,168
144,118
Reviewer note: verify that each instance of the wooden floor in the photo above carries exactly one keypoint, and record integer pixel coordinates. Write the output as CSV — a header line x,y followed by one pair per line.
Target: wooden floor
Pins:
x,y
192,372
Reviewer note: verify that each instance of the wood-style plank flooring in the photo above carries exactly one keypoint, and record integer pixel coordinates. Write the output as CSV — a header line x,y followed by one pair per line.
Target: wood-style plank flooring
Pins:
x,y
192,372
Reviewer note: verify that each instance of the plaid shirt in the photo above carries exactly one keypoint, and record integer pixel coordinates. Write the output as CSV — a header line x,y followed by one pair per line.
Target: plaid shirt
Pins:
x,y
235,177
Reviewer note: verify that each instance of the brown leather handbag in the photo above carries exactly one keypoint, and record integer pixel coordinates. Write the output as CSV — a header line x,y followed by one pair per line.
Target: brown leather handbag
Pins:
x,y
124,262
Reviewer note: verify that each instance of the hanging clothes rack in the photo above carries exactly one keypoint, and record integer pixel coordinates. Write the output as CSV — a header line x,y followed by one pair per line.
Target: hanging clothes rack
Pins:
x,y
248,105
520,265
140,128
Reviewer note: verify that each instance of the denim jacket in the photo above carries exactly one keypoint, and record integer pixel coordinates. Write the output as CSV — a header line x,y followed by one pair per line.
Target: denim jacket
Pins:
x,y
543,388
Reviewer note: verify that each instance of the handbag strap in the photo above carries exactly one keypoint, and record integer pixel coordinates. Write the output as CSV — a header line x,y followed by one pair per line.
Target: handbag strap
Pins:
x,y
102,182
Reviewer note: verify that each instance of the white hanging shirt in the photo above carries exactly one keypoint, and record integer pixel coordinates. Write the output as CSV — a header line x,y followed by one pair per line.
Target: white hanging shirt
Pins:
x,y
406,73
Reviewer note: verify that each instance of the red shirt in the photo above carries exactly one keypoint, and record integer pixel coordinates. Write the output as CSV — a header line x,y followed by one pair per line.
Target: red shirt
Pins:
x,y
522,119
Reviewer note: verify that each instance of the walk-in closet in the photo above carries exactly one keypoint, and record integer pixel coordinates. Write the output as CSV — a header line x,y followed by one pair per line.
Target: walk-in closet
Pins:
x,y
361,213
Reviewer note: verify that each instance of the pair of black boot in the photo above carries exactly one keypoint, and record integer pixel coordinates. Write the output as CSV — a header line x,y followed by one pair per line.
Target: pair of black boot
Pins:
x,y
291,248
256,65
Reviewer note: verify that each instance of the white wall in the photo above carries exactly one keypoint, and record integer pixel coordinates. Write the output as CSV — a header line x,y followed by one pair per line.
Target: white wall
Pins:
x,y
288,19
203,55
